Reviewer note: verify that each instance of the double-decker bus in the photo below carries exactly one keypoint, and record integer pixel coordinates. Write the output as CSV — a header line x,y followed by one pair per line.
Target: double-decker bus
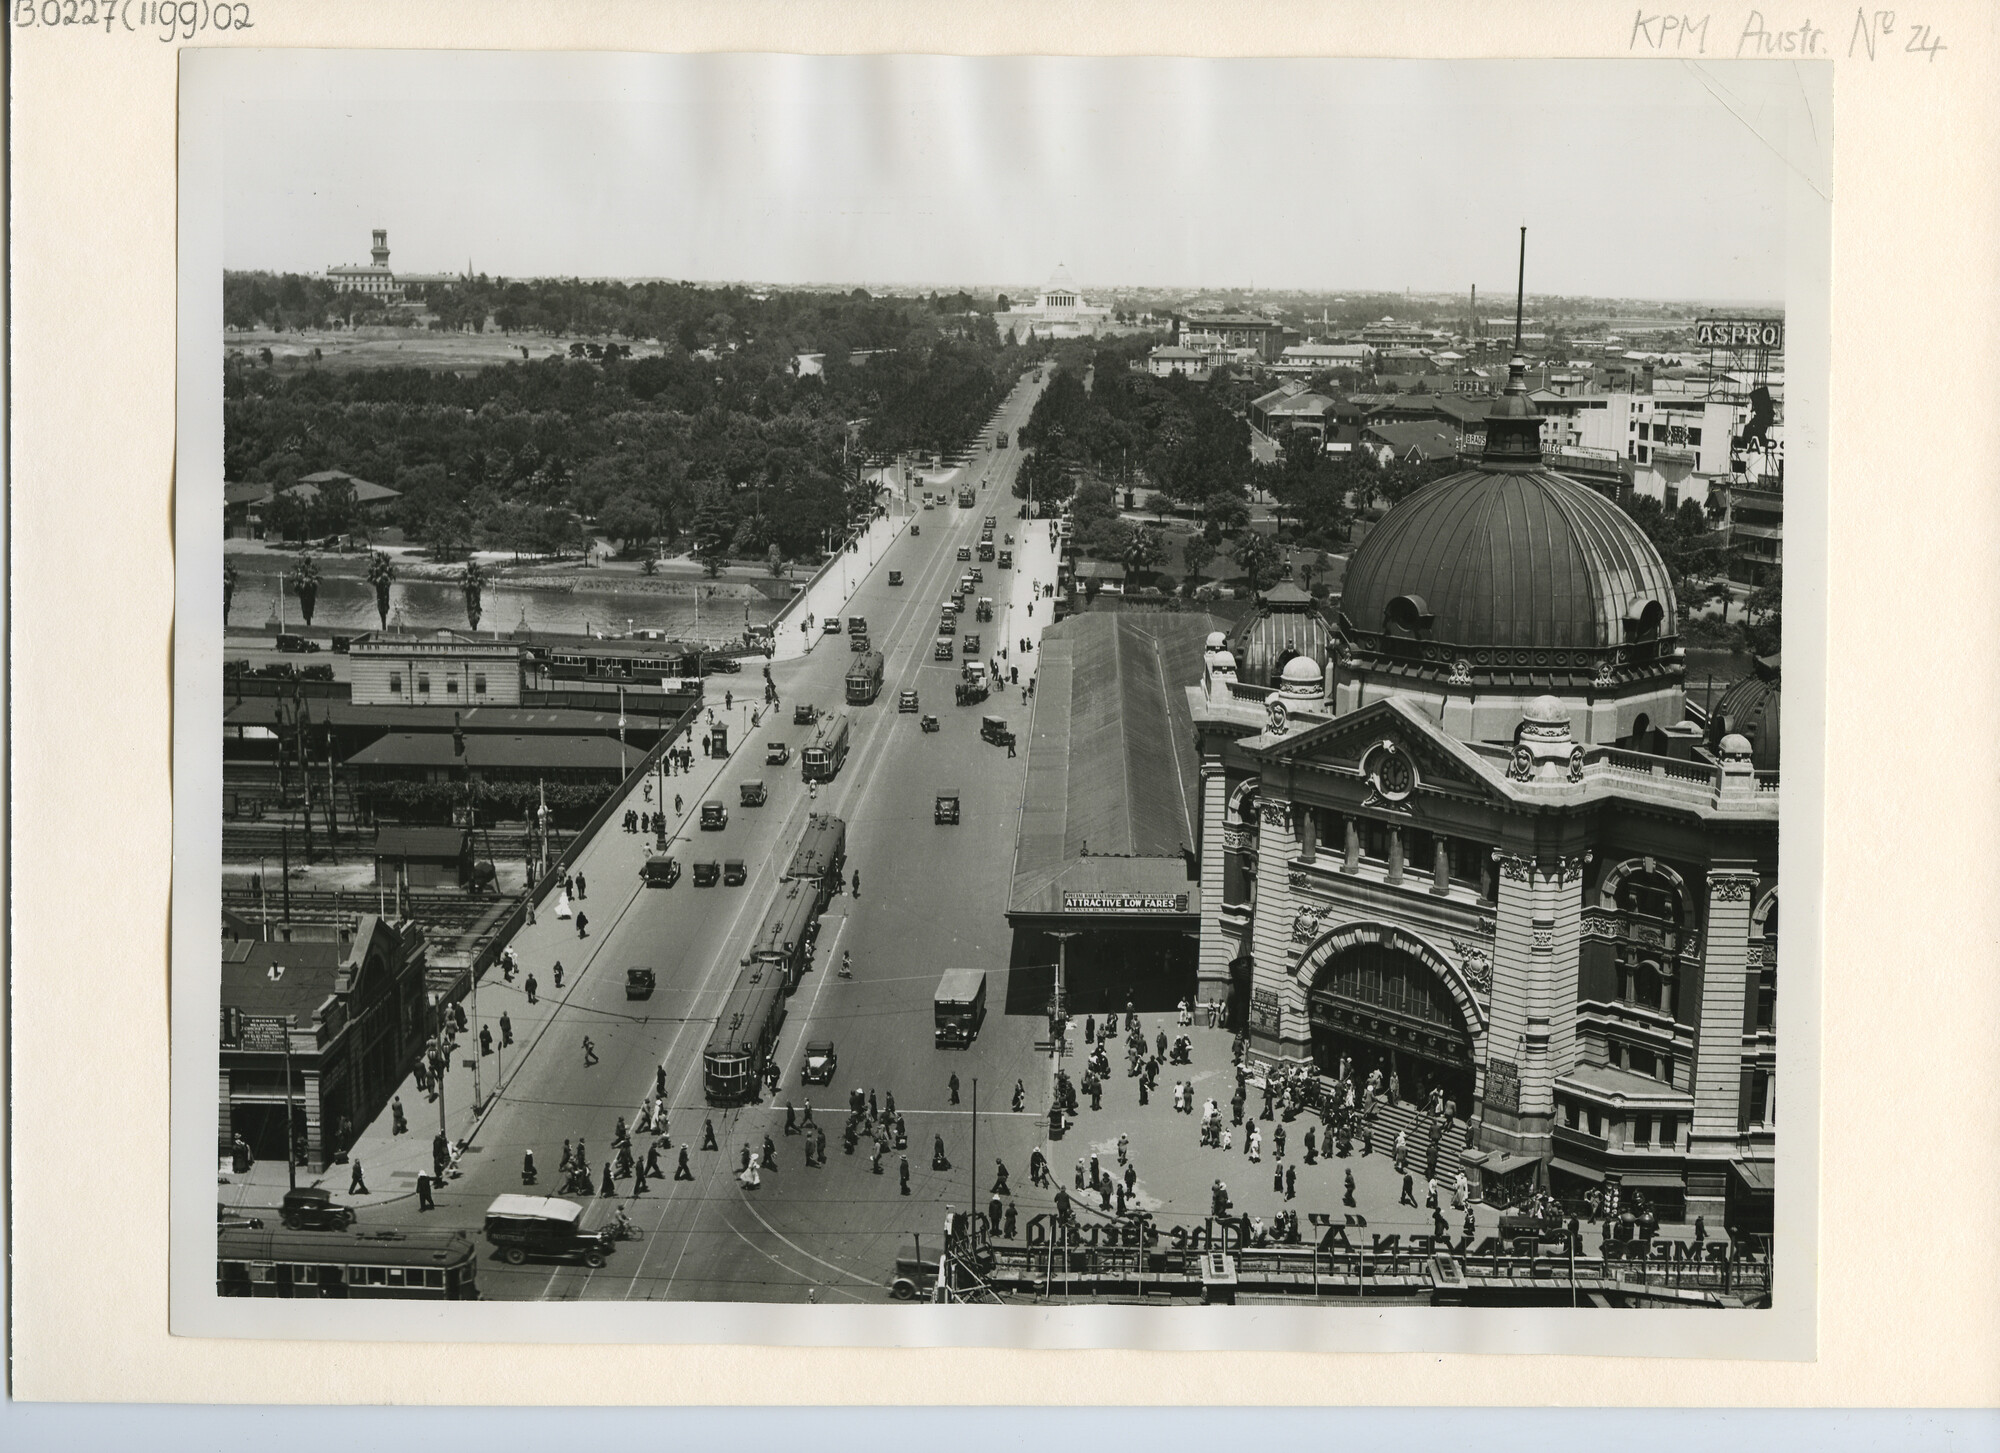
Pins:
x,y
786,932
429,1265
745,1034
824,756
864,679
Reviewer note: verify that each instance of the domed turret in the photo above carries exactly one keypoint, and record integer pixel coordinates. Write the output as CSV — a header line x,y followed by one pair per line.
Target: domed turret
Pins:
x,y
1302,679
1750,708
1287,624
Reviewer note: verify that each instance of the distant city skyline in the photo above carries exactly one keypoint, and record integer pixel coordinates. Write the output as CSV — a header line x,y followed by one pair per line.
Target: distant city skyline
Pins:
x,y
1636,180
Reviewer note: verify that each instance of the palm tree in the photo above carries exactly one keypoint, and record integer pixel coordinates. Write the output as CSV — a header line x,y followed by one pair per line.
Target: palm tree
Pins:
x,y
473,582
228,587
380,573
305,581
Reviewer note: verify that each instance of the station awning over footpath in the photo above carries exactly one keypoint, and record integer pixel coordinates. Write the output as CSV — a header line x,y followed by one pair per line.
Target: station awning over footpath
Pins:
x,y
1109,822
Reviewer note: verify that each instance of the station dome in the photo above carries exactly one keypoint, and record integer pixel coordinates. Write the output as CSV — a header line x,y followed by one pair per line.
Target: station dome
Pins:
x,y
1749,708
1511,576
1287,625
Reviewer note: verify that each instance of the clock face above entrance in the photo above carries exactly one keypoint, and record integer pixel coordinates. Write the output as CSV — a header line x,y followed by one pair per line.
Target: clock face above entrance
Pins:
x,y
1390,772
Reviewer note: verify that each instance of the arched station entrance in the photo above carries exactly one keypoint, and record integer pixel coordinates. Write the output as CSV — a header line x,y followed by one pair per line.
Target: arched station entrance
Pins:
x,y
1379,1004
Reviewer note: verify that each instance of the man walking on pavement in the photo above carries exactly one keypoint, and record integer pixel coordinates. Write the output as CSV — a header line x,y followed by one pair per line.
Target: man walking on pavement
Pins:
x,y
424,1201
530,986
903,1171
579,886
440,1154
681,1171
954,1087
557,970
582,924
506,1030
708,1135
356,1186
589,1052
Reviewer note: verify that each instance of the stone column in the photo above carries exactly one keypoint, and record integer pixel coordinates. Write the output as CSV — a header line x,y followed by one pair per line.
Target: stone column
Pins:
x,y
1395,874
1441,866
1716,1077
1350,846
1216,948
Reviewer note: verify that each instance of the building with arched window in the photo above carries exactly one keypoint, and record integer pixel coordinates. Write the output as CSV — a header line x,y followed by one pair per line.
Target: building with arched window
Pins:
x,y
1483,847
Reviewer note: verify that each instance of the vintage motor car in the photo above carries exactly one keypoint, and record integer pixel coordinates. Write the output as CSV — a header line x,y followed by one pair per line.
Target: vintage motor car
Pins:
x,y
832,626
942,651
519,1227
734,874
857,643
972,643
751,794
662,870
895,577
312,1208
776,754
928,722
907,701
714,816
965,552
804,714
707,873
945,813
978,575
639,983
820,1063
985,611
1006,559
994,729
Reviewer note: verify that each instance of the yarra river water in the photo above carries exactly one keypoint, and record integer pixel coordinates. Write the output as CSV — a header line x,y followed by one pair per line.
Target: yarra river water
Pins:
x,y
348,603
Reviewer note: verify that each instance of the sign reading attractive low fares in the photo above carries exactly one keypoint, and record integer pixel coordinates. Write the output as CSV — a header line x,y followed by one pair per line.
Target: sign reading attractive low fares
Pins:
x,y
1125,903
1740,333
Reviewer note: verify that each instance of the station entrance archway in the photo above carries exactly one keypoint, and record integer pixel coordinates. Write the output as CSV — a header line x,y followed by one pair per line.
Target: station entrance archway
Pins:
x,y
1379,1006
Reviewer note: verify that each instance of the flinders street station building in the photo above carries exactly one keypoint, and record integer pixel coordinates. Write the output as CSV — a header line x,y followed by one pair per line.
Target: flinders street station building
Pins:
x,y
1473,835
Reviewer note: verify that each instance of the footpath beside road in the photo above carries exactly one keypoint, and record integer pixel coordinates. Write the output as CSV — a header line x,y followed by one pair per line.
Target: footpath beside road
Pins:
x,y
610,865
797,627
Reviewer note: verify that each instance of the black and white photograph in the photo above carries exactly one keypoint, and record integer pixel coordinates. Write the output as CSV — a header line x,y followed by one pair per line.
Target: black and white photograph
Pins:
x,y
1120,689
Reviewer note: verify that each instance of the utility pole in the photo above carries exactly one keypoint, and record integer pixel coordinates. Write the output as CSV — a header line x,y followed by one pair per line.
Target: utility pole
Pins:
x,y
1059,1012
973,1172
291,1134
478,1094
285,871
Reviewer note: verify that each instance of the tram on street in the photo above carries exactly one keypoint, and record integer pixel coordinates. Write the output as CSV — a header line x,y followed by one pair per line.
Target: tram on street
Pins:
x,y
439,1266
786,933
824,756
820,855
864,679
745,1034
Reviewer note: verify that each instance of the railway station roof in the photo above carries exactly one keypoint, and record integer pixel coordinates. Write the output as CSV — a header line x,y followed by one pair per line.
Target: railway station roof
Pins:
x,y
1108,823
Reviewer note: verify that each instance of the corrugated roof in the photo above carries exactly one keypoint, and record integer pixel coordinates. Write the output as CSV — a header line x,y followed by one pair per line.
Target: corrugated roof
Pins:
x,y
1111,760
435,749
419,842
253,984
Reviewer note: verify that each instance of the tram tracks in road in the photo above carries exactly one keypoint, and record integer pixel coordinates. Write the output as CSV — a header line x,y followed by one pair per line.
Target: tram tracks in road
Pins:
x,y
870,756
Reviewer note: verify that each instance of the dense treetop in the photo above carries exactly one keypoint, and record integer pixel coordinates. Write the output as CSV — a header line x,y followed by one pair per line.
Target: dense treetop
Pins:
x,y
721,425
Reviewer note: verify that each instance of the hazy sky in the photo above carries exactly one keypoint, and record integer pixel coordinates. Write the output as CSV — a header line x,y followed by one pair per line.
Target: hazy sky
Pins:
x,y
1648,179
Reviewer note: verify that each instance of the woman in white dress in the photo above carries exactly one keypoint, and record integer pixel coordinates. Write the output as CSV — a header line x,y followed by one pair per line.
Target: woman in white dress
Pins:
x,y
750,1176
562,903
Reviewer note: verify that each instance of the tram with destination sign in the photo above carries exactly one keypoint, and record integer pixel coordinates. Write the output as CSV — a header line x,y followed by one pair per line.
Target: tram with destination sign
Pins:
x,y
746,1033
788,930
439,1266
824,756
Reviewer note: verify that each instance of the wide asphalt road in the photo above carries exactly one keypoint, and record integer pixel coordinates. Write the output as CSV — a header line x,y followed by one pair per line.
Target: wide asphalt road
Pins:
x,y
932,897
